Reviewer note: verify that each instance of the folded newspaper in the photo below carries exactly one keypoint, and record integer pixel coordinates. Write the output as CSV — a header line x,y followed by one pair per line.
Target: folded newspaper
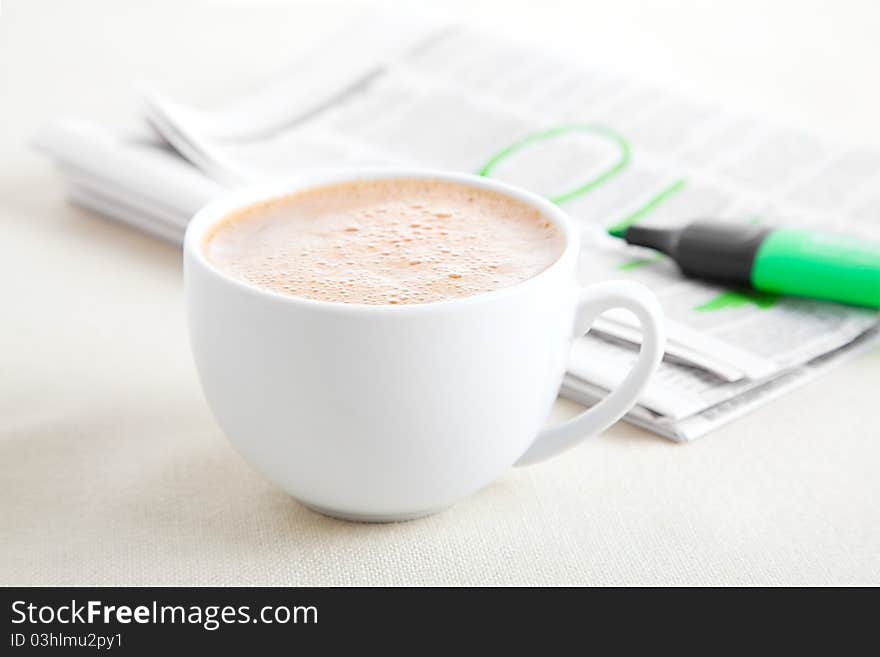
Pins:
x,y
610,149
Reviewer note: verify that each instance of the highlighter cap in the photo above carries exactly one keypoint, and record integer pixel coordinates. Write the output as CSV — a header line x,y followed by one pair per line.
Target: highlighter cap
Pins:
x,y
720,251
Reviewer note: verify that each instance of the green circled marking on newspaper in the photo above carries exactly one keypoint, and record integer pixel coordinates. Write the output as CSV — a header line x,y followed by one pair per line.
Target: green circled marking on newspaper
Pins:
x,y
737,298
619,228
604,176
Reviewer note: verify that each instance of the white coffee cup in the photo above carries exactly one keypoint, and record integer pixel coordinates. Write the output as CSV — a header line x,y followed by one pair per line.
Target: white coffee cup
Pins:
x,y
382,413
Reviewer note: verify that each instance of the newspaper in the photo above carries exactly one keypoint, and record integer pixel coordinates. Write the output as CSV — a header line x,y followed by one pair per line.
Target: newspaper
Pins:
x,y
610,149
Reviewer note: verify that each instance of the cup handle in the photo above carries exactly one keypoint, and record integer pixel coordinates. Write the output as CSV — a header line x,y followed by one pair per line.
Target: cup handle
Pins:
x,y
595,300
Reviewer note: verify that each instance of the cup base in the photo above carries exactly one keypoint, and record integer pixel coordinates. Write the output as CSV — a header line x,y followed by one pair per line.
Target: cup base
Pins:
x,y
373,517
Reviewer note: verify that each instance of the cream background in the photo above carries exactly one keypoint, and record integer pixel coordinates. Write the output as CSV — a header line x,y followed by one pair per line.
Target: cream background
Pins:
x,y
113,472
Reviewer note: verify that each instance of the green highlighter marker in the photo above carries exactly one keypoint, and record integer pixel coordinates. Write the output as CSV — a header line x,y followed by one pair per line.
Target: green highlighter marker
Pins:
x,y
794,261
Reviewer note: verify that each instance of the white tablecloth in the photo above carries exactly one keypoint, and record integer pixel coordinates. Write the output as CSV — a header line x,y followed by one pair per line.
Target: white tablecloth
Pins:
x,y
112,470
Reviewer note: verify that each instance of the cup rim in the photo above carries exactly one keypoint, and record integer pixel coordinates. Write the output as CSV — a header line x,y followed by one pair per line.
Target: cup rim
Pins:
x,y
218,209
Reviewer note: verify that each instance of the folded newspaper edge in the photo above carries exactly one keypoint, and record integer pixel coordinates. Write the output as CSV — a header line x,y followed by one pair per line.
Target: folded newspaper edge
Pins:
x,y
701,423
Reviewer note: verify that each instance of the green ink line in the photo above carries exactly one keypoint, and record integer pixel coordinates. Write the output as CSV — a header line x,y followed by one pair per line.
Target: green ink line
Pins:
x,y
620,227
737,298
621,163
635,263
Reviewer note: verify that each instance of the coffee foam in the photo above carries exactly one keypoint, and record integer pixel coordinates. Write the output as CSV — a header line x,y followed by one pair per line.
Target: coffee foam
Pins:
x,y
399,241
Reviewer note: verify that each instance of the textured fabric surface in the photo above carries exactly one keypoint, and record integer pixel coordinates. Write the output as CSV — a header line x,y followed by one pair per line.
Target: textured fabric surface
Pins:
x,y
112,470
